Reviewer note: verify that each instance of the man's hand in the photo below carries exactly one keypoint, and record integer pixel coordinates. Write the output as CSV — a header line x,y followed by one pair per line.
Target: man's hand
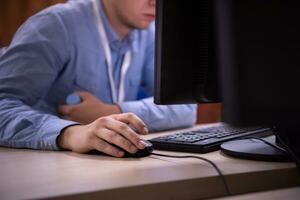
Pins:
x,y
103,132
88,110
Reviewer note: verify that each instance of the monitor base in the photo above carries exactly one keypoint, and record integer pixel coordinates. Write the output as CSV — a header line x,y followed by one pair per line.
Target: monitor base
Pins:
x,y
254,150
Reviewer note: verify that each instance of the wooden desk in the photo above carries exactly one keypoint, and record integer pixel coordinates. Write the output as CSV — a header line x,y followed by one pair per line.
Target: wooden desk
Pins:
x,y
26,174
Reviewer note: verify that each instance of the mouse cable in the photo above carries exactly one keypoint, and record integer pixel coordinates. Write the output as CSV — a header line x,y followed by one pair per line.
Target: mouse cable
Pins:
x,y
204,159
216,167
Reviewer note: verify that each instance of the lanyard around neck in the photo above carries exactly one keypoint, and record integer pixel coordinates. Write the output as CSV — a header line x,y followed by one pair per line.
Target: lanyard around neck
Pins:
x,y
126,61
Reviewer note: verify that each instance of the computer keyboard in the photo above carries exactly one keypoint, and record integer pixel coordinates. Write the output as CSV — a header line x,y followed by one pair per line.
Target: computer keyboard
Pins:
x,y
206,139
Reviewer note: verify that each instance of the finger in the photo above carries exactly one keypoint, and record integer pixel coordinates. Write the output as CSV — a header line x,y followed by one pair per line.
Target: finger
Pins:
x,y
115,138
135,121
64,110
123,129
104,147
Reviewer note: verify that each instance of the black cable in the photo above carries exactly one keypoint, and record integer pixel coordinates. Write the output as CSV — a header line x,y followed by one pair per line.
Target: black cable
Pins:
x,y
204,159
288,152
266,142
216,167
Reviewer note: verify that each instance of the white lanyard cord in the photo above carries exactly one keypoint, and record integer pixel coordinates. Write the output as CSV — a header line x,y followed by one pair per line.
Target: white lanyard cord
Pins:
x,y
126,61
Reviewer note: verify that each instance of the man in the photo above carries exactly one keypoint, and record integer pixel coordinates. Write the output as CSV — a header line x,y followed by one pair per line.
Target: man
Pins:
x,y
103,51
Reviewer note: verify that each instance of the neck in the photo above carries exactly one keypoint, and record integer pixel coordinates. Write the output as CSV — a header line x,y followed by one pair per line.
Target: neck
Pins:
x,y
119,27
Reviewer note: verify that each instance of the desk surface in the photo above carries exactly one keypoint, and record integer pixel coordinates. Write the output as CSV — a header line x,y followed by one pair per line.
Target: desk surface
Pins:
x,y
67,175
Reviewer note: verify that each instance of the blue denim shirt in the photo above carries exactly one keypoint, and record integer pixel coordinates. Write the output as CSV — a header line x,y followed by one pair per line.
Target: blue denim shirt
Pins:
x,y
58,51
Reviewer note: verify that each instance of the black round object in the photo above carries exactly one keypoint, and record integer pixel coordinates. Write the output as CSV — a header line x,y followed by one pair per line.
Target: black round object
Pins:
x,y
254,149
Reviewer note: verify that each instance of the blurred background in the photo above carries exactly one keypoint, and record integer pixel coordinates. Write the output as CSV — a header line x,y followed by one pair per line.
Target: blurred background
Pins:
x,y
15,12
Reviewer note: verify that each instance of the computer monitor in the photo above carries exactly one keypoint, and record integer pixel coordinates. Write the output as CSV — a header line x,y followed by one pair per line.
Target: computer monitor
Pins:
x,y
245,54
185,63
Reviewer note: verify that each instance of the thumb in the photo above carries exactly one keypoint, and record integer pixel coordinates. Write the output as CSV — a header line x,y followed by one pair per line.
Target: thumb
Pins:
x,y
83,95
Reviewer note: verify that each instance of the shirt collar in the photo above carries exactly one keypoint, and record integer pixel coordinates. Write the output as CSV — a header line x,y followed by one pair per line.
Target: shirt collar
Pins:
x,y
129,43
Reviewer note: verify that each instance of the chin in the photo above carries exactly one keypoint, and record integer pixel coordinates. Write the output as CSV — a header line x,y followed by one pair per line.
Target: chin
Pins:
x,y
144,25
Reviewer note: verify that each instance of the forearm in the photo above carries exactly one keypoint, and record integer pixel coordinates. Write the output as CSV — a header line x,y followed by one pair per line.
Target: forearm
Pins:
x,y
22,127
158,117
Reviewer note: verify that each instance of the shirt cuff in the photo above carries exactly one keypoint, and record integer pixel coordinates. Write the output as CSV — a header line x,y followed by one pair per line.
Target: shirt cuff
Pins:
x,y
52,129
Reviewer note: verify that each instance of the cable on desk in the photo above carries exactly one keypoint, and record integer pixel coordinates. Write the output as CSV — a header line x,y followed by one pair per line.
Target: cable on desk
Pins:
x,y
288,151
217,168
204,159
266,142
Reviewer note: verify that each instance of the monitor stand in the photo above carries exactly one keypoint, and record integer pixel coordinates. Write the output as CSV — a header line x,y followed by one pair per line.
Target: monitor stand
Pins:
x,y
254,149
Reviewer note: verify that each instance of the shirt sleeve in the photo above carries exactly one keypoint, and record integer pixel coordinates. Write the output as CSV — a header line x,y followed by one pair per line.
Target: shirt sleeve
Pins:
x,y
158,117
27,70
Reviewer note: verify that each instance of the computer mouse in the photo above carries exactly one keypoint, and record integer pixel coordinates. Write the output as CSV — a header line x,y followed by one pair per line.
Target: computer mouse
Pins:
x,y
140,153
